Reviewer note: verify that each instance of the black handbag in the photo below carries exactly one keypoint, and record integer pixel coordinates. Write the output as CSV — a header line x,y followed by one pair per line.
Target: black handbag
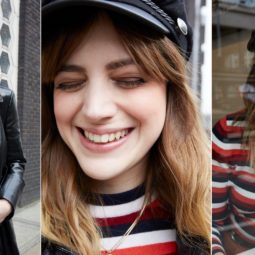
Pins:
x,y
8,245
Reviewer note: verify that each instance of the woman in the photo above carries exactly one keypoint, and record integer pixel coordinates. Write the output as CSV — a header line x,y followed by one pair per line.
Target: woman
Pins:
x,y
233,174
124,158
12,164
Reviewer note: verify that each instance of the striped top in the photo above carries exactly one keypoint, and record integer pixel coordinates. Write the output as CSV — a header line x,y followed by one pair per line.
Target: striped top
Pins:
x,y
153,235
233,182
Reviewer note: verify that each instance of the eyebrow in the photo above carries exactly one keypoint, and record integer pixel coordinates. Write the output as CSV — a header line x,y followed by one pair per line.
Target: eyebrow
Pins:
x,y
71,68
119,64
110,66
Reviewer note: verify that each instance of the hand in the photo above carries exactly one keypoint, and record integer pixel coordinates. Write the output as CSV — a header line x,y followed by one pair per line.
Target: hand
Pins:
x,y
5,209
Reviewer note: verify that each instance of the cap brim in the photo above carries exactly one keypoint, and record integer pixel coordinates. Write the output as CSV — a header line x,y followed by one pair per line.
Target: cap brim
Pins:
x,y
120,7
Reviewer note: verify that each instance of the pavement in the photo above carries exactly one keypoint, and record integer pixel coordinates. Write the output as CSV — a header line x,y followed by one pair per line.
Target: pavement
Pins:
x,y
27,229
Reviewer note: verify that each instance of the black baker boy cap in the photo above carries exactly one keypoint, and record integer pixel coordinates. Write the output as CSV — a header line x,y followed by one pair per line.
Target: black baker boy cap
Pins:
x,y
165,16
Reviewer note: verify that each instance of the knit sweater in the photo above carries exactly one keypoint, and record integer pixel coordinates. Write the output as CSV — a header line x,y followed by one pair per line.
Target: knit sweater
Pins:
x,y
153,235
233,182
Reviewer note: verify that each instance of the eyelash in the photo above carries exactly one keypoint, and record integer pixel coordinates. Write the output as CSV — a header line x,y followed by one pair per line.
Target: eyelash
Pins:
x,y
132,83
70,85
128,83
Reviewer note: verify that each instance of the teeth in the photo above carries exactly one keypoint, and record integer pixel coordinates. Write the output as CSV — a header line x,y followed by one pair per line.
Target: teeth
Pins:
x,y
105,138
111,137
118,135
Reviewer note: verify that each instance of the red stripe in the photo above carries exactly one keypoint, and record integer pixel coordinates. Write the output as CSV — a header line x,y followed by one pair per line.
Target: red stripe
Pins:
x,y
219,210
152,211
242,153
217,191
222,126
245,201
169,248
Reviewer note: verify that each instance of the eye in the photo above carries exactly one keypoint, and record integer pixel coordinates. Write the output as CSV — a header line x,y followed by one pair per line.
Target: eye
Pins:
x,y
70,85
129,82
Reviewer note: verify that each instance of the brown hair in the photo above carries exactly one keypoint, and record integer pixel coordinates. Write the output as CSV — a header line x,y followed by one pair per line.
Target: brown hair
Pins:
x,y
179,160
249,134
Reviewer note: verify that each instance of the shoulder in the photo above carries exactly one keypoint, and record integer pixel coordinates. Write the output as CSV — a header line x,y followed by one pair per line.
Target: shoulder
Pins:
x,y
229,129
192,246
52,248
232,119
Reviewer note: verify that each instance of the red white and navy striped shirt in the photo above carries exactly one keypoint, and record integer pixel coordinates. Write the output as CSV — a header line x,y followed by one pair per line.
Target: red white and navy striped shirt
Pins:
x,y
153,235
233,182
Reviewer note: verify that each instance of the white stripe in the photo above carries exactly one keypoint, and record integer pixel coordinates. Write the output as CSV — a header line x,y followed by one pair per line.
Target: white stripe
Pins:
x,y
236,123
226,166
99,211
153,237
218,246
218,205
243,192
222,165
214,229
226,146
237,225
244,213
220,184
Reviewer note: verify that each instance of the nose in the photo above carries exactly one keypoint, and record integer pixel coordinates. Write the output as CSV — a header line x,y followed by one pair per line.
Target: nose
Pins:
x,y
99,102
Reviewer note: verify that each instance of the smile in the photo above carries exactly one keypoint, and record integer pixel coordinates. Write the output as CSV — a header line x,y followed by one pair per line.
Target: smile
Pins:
x,y
105,138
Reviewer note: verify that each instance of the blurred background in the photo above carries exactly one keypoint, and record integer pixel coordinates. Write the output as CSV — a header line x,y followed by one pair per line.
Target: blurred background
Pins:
x,y
233,22
200,66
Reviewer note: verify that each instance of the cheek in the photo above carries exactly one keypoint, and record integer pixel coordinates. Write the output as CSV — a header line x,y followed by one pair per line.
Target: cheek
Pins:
x,y
149,106
64,109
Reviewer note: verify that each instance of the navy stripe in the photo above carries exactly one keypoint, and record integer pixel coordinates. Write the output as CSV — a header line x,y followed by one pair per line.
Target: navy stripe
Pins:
x,y
141,227
121,198
226,138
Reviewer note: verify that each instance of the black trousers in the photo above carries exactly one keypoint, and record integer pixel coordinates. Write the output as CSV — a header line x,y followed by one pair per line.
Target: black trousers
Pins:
x,y
8,245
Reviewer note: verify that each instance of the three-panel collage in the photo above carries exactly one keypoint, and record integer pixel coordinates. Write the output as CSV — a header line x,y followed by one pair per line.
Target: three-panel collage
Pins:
x,y
127,127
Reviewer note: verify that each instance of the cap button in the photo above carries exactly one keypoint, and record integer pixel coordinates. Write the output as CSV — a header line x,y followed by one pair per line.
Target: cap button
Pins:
x,y
182,26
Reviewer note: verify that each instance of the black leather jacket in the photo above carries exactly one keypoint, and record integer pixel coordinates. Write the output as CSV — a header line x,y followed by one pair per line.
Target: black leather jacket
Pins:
x,y
12,161
49,248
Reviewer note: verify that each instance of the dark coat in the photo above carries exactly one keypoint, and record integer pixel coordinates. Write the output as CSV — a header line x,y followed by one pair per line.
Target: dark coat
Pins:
x,y
49,248
12,164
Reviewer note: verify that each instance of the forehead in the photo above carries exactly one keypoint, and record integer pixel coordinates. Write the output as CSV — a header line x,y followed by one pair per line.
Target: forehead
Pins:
x,y
100,42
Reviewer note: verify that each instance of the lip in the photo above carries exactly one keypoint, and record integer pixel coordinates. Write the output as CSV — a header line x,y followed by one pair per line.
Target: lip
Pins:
x,y
103,147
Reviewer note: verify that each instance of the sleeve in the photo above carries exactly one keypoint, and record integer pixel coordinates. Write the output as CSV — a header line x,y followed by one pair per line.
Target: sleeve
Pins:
x,y
13,183
220,185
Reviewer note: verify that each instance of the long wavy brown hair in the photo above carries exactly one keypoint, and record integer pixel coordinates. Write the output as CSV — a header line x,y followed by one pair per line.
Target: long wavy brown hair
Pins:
x,y
179,161
249,133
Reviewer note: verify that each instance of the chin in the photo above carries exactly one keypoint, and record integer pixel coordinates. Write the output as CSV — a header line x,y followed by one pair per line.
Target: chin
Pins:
x,y
100,173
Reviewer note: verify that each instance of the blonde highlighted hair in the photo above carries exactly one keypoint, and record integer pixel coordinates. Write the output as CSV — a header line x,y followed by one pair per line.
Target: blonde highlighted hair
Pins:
x,y
179,160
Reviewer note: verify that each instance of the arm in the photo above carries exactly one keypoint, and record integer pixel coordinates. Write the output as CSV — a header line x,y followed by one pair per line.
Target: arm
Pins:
x,y
220,186
13,183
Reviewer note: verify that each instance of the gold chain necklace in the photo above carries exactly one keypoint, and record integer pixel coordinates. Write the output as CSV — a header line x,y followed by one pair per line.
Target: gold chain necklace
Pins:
x,y
123,238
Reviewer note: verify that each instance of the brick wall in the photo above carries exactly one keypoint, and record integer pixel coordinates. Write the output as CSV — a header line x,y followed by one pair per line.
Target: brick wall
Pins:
x,y
29,95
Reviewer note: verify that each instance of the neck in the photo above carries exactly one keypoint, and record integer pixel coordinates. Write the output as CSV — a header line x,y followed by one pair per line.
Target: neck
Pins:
x,y
125,181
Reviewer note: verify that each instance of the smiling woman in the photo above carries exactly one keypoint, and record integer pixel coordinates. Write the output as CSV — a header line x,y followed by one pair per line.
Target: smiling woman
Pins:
x,y
124,156
102,95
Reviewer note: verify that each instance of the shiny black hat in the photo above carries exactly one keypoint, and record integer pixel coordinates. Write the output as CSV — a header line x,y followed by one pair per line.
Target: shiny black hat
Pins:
x,y
165,16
